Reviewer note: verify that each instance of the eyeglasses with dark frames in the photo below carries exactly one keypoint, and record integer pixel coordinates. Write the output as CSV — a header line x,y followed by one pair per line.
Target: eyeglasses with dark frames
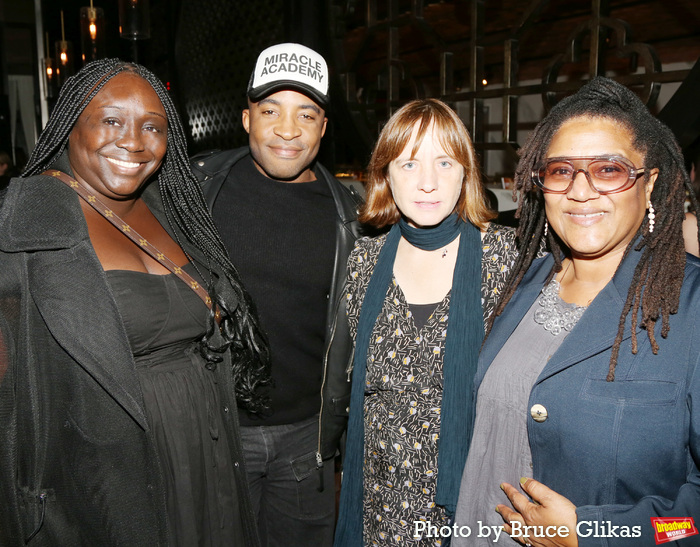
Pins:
x,y
605,174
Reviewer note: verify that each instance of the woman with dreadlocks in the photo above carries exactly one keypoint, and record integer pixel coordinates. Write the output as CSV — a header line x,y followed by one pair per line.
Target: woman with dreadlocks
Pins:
x,y
589,379
126,336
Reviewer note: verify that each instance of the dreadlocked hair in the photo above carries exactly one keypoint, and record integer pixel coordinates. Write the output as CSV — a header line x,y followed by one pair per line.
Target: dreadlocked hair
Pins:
x,y
658,276
187,215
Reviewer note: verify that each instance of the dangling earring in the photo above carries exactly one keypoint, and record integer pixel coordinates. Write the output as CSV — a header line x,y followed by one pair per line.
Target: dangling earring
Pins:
x,y
651,217
546,227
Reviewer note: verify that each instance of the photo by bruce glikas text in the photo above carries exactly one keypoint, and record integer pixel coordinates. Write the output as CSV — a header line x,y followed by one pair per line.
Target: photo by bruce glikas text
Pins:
x,y
585,528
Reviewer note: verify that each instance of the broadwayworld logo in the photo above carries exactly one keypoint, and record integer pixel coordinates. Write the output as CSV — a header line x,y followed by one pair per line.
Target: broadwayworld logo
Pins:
x,y
672,529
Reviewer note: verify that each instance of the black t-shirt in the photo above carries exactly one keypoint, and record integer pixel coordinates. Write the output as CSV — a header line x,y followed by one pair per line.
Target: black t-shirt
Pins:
x,y
281,238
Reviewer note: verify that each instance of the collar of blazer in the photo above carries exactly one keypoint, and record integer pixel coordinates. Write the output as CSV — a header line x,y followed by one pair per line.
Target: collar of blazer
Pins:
x,y
595,331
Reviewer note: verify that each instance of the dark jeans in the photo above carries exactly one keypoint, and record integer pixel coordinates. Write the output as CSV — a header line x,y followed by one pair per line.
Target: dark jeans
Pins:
x,y
284,485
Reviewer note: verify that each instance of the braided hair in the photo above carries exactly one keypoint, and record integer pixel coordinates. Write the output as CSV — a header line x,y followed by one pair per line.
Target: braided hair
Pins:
x,y
186,213
658,276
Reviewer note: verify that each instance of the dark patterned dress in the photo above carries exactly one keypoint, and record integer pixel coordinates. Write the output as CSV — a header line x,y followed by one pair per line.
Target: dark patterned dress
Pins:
x,y
403,394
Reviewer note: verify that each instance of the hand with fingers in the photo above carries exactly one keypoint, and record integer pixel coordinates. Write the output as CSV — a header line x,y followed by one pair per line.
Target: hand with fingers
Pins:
x,y
547,521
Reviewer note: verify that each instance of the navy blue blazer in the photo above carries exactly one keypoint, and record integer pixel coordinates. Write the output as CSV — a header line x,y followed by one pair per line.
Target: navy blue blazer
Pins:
x,y
621,451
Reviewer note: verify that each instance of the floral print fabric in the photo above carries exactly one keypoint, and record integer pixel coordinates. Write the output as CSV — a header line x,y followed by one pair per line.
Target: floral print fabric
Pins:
x,y
403,394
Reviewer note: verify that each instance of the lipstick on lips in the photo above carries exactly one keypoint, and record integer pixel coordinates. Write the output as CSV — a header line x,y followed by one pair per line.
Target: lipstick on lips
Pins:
x,y
427,204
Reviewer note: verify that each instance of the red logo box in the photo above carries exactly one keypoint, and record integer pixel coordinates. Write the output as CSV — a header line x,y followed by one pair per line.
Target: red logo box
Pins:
x,y
672,529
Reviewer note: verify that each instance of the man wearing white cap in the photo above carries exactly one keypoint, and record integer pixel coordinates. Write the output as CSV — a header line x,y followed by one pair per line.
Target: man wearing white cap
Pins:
x,y
289,226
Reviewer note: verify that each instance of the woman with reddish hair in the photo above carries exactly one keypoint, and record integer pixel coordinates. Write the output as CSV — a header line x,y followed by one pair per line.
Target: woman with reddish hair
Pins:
x,y
418,298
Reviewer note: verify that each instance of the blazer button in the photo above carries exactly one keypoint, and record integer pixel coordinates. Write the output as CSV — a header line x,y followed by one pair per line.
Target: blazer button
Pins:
x,y
538,413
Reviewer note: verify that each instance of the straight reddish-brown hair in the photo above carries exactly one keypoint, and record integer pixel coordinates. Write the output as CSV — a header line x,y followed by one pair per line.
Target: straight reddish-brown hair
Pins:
x,y
380,209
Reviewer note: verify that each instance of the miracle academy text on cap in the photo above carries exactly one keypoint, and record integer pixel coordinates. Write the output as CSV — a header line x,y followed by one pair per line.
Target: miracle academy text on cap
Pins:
x,y
290,66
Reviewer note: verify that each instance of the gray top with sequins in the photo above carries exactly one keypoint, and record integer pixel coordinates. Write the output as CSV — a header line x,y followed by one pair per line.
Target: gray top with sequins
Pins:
x,y
500,451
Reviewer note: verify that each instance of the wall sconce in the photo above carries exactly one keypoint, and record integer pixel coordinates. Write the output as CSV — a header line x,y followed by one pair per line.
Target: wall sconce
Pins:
x,y
64,57
134,19
92,33
134,23
49,72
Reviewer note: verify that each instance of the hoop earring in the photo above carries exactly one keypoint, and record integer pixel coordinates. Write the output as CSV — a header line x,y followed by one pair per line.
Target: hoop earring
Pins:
x,y
651,216
546,227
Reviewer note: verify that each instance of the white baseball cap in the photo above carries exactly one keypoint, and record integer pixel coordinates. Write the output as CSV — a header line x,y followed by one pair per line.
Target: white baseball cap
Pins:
x,y
290,66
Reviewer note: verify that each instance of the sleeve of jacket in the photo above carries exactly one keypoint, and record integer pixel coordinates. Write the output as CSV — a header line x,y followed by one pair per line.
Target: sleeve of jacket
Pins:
x,y
211,168
11,527
336,387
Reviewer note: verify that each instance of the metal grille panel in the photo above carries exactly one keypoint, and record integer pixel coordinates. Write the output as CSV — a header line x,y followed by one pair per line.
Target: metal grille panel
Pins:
x,y
218,42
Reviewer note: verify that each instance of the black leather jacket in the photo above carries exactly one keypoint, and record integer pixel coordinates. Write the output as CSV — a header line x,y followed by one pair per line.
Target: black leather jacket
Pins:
x,y
212,168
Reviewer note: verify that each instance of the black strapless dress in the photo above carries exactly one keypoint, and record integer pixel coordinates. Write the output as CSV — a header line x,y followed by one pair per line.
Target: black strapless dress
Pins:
x,y
164,318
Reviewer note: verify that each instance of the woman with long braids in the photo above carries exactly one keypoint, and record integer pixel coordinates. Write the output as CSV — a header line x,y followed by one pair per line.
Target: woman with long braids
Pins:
x,y
588,382
126,339
417,301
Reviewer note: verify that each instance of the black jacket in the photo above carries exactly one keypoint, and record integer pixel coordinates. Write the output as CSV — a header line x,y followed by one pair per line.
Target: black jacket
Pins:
x,y
78,463
212,169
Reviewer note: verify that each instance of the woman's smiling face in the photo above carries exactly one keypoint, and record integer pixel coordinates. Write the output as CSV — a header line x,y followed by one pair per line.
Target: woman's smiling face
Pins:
x,y
590,224
120,139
